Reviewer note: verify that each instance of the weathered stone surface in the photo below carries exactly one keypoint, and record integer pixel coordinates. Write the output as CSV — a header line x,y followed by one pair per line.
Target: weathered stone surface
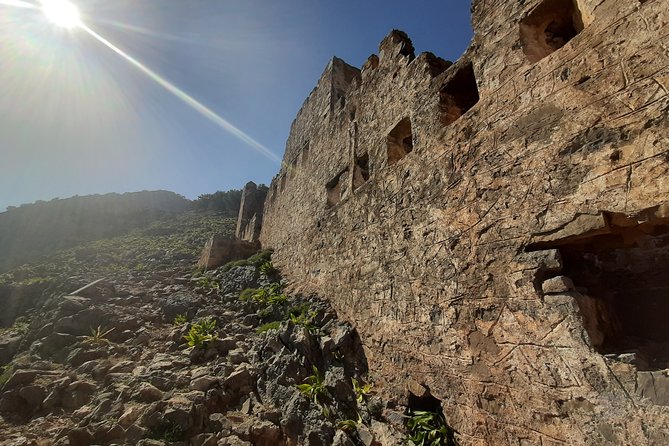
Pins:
x,y
249,221
220,250
411,190
556,285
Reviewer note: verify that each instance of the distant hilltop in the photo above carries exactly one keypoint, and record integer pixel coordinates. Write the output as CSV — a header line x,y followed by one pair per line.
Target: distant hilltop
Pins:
x,y
30,231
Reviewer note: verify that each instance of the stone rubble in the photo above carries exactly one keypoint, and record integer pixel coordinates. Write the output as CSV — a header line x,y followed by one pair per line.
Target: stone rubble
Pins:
x,y
140,384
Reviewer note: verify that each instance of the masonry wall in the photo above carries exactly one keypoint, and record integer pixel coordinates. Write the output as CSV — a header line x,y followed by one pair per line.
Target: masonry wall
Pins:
x,y
459,253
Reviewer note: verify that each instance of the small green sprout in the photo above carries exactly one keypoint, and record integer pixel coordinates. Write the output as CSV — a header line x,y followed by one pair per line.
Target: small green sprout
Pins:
x,y
98,336
180,319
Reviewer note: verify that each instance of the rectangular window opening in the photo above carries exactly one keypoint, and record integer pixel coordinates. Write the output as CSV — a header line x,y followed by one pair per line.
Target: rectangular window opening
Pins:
x,y
336,188
458,95
305,154
361,172
549,27
399,141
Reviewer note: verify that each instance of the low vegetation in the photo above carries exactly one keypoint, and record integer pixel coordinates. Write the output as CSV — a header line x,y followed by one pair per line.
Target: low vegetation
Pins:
x,y
429,429
180,319
274,325
314,389
257,260
362,390
201,332
98,336
142,249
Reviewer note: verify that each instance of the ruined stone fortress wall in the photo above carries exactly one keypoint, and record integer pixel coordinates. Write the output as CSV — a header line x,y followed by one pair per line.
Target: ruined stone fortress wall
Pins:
x,y
496,228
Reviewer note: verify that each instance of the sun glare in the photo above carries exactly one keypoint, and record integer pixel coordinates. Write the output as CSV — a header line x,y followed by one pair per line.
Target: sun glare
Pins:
x,y
62,13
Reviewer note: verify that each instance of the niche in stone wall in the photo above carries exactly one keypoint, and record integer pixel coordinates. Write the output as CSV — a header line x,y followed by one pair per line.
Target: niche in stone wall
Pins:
x,y
336,188
621,278
549,27
293,167
458,95
399,141
361,171
305,154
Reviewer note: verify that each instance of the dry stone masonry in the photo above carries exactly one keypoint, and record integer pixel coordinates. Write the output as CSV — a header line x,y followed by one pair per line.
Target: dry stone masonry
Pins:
x,y
497,228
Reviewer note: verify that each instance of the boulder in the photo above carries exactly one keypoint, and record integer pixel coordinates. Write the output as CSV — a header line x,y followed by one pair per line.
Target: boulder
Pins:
x,y
220,250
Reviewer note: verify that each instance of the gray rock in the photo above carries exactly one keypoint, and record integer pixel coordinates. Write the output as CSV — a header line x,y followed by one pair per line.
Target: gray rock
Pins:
x,y
77,394
19,378
147,393
80,437
265,433
237,279
233,440
341,439
33,395
203,383
556,285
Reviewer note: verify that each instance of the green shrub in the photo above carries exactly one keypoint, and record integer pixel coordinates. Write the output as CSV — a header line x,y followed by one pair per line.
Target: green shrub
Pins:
x,y
260,257
269,295
429,429
201,332
6,372
208,282
267,269
234,264
315,390
361,389
347,425
180,319
303,315
247,294
275,325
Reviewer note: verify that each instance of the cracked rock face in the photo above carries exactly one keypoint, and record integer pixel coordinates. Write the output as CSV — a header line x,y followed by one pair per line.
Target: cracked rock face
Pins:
x,y
495,228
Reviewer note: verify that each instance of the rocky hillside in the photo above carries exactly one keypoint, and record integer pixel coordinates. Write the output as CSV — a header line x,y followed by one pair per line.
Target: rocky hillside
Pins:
x,y
33,230
154,351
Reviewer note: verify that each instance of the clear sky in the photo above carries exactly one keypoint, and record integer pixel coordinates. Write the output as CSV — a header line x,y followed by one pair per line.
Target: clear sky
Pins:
x,y
77,118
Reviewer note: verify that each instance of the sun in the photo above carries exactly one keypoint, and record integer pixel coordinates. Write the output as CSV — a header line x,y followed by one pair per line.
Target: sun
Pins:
x,y
62,13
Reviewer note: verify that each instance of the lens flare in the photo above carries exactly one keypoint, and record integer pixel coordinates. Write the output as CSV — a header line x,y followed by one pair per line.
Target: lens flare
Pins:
x,y
62,13
186,98
65,14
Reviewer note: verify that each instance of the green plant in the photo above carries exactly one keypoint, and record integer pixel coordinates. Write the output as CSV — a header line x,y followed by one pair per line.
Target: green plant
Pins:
x,y
315,390
267,269
260,257
234,264
98,336
429,429
247,294
201,332
347,425
207,282
269,326
180,319
7,372
361,389
269,295
303,315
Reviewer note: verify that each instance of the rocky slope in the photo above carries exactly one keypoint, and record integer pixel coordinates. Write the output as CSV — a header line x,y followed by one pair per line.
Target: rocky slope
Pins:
x,y
111,363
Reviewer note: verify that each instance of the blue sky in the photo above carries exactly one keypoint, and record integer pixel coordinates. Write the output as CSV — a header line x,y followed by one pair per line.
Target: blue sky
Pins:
x,y
75,118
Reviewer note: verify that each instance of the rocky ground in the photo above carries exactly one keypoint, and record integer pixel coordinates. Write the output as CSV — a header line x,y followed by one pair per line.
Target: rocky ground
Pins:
x,y
112,364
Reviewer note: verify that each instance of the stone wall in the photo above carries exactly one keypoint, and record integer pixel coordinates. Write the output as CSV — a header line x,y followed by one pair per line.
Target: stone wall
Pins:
x,y
496,228
249,219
